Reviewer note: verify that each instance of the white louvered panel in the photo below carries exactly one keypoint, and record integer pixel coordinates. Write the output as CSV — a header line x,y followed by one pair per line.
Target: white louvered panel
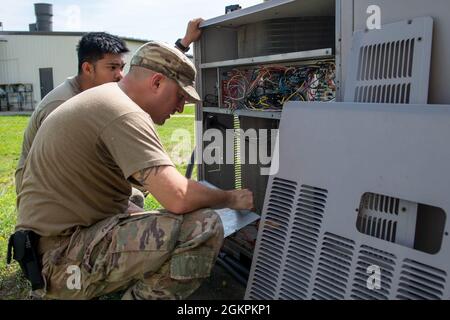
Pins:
x,y
274,235
419,281
329,251
303,243
334,267
392,64
368,257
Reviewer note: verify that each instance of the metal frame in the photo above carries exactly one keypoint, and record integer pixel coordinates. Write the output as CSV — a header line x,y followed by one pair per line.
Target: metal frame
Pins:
x,y
285,57
266,10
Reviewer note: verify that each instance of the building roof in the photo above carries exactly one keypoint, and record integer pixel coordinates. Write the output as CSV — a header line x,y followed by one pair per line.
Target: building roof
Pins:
x,y
60,33
64,33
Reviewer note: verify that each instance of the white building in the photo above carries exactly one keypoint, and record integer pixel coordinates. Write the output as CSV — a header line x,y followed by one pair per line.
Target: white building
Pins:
x,y
33,63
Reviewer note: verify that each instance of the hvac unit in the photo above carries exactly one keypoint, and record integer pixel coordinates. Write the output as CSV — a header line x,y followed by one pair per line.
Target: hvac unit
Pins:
x,y
356,186
250,62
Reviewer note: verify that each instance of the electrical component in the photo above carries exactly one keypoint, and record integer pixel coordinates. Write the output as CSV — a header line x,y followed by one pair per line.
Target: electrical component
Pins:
x,y
268,88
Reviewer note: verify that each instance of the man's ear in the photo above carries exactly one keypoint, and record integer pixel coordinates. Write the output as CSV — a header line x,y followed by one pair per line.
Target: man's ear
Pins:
x,y
87,68
156,81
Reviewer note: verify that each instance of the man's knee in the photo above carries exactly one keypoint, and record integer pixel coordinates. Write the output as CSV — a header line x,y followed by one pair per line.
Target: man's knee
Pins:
x,y
200,240
202,223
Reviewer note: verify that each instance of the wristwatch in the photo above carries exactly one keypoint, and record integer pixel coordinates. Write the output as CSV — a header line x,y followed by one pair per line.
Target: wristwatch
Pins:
x,y
181,47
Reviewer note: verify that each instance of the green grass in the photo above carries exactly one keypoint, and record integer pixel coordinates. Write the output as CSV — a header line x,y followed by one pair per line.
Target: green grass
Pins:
x,y
12,284
172,146
189,109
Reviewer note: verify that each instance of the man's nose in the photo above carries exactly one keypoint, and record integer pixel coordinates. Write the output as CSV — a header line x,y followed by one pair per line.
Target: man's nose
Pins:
x,y
119,75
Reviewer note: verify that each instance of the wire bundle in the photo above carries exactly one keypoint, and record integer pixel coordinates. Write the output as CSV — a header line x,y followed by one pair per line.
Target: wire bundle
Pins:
x,y
268,88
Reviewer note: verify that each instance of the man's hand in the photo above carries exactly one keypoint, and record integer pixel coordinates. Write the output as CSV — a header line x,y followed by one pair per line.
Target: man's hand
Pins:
x,y
193,32
240,200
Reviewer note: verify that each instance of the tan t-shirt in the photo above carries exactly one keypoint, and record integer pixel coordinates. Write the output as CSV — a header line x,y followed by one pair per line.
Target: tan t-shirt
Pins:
x,y
77,169
51,101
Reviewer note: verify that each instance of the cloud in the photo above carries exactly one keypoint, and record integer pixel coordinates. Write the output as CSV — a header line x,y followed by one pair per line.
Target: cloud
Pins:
x,y
17,15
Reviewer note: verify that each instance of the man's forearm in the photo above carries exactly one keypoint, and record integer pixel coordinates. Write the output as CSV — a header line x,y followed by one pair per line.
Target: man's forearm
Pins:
x,y
200,196
180,195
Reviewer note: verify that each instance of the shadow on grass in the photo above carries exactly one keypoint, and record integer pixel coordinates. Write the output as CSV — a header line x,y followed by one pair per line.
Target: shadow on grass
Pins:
x,y
14,114
14,287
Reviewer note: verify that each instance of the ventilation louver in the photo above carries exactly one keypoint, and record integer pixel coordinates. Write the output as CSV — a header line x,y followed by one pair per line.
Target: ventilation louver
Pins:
x,y
393,64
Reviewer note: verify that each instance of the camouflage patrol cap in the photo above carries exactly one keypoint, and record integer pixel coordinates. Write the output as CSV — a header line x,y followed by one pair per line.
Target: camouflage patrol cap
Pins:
x,y
160,57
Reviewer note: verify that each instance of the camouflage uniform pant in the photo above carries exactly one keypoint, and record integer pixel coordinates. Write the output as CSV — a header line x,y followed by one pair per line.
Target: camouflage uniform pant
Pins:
x,y
151,255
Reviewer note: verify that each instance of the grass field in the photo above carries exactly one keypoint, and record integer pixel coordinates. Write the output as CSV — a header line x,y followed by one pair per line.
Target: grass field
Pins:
x,y
12,285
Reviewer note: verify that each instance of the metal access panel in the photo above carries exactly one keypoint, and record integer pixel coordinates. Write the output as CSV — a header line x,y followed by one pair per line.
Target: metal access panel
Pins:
x,y
339,162
354,17
391,65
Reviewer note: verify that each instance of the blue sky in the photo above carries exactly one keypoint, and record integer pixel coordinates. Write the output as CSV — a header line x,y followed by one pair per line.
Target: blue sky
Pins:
x,y
164,20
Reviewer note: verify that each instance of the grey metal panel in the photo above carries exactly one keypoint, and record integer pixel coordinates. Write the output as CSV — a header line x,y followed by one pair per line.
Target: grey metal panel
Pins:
x,y
271,9
338,40
218,44
308,246
220,175
244,113
198,113
286,35
253,114
276,58
397,10
391,65
252,178
209,83
344,16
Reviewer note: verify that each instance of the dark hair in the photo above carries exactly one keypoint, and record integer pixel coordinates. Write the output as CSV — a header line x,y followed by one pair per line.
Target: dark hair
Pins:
x,y
94,45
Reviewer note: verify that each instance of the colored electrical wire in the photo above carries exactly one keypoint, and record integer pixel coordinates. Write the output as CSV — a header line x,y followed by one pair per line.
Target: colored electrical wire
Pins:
x,y
268,88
